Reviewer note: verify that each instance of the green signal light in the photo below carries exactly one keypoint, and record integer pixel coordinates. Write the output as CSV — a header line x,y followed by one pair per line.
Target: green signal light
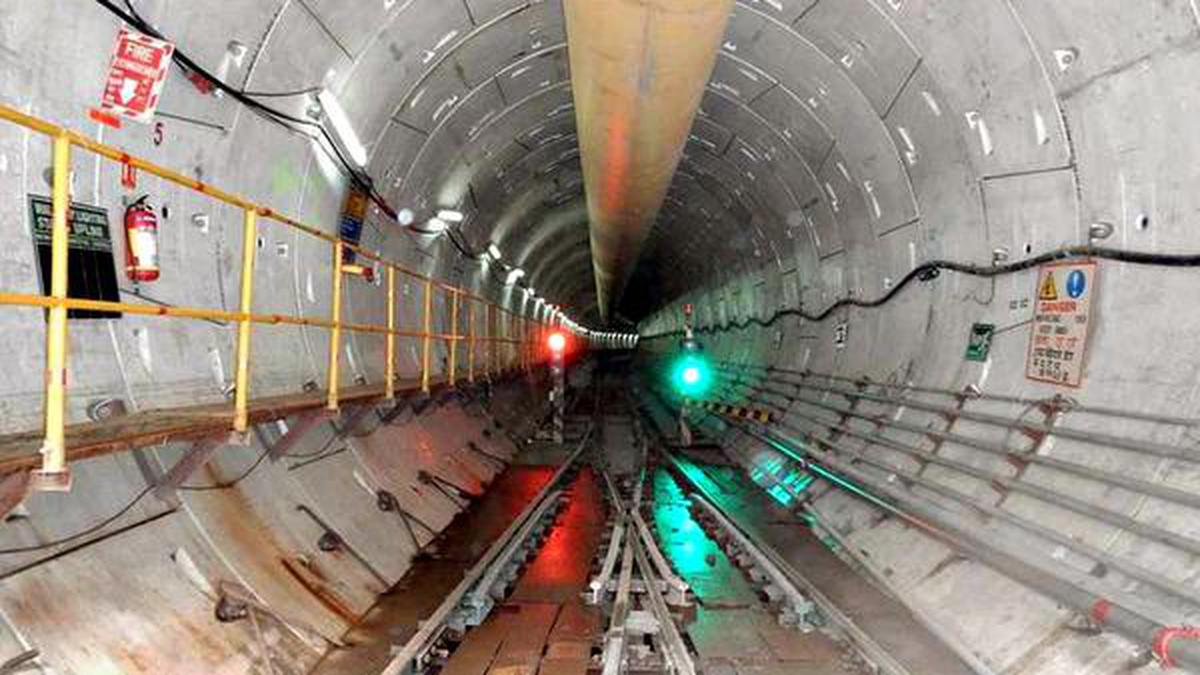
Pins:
x,y
691,375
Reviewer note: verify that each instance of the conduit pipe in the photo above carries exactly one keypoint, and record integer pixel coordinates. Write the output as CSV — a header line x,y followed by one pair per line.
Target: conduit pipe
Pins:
x,y
1075,589
1172,645
1150,577
638,71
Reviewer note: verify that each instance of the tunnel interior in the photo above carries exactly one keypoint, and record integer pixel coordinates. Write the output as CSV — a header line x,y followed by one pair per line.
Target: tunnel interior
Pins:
x,y
901,233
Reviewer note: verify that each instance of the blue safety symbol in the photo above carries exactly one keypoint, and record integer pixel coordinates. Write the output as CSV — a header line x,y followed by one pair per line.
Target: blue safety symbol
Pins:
x,y
1076,283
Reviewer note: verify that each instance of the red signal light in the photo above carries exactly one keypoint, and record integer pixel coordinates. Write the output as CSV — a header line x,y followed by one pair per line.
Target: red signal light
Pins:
x,y
557,342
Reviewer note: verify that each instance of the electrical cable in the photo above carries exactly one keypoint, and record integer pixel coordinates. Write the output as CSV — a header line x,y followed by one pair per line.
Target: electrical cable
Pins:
x,y
933,269
23,661
281,94
225,485
357,176
83,533
128,507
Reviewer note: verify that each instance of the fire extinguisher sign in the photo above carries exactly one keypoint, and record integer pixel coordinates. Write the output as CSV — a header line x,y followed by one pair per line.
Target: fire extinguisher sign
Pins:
x,y
136,76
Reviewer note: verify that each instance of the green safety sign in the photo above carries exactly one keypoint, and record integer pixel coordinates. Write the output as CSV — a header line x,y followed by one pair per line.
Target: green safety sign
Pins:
x,y
979,345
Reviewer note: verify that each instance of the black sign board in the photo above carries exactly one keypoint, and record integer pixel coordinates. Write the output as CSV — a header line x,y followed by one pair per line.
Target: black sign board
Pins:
x,y
91,270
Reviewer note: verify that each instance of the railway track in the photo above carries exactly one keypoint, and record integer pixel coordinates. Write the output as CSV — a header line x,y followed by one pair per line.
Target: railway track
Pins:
x,y
645,573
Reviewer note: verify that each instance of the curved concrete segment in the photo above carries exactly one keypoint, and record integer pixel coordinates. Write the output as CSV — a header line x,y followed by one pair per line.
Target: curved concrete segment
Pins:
x,y
838,145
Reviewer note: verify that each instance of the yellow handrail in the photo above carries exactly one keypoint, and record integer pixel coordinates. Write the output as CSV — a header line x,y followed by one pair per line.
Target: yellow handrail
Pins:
x,y
54,473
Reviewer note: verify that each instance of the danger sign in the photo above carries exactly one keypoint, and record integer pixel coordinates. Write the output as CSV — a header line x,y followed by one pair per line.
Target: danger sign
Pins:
x,y
1061,321
135,78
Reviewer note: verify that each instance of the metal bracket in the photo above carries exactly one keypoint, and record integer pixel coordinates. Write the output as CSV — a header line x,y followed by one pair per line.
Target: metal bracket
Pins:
x,y
330,541
353,420
14,488
299,427
474,447
193,459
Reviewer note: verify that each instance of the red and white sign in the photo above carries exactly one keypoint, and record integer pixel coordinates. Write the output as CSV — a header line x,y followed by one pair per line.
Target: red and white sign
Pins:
x,y
135,78
1062,320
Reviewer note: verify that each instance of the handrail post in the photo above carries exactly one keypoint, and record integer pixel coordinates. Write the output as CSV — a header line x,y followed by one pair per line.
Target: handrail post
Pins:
x,y
241,387
427,343
453,336
335,334
502,344
55,474
389,386
510,354
527,351
471,340
491,339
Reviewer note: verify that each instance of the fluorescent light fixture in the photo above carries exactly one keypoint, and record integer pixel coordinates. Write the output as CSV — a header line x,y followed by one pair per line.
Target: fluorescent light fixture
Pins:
x,y
342,128
434,226
514,274
451,216
494,251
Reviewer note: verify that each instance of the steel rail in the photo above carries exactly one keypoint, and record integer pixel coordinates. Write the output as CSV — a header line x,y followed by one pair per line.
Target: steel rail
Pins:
x,y
675,588
599,583
404,661
962,394
1077,545
1157,490
774,572
614,641
1110,440
1121,521
598,586
861,639
670,583
485,590
1126,614
675,650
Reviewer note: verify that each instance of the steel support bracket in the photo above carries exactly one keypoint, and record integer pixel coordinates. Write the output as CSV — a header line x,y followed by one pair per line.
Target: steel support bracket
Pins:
x,y
193,459
300,426
14,488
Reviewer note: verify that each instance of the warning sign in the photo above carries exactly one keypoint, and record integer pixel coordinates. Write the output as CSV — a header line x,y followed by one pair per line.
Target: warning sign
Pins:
x,y
1049,288
1061,321
136,75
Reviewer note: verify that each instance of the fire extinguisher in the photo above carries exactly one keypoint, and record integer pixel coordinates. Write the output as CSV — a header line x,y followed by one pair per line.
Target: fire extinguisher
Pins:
x,y
141,241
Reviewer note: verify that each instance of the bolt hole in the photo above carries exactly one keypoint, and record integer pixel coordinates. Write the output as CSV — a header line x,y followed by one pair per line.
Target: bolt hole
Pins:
x,y
1028,248
261,243
1143,222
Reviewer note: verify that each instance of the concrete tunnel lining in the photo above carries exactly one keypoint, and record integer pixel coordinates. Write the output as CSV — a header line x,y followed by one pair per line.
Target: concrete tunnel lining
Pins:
x,y
840,144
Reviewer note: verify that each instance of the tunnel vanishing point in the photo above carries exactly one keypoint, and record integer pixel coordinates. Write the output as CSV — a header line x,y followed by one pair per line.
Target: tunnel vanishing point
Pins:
x,y
555,337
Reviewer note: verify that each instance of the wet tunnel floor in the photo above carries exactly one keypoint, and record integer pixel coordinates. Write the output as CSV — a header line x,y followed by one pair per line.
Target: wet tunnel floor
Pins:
x,y
434,574
734,631
543,626
885,619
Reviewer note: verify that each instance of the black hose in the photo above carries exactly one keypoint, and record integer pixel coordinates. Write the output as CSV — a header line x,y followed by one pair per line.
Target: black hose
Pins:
x,y
933,269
